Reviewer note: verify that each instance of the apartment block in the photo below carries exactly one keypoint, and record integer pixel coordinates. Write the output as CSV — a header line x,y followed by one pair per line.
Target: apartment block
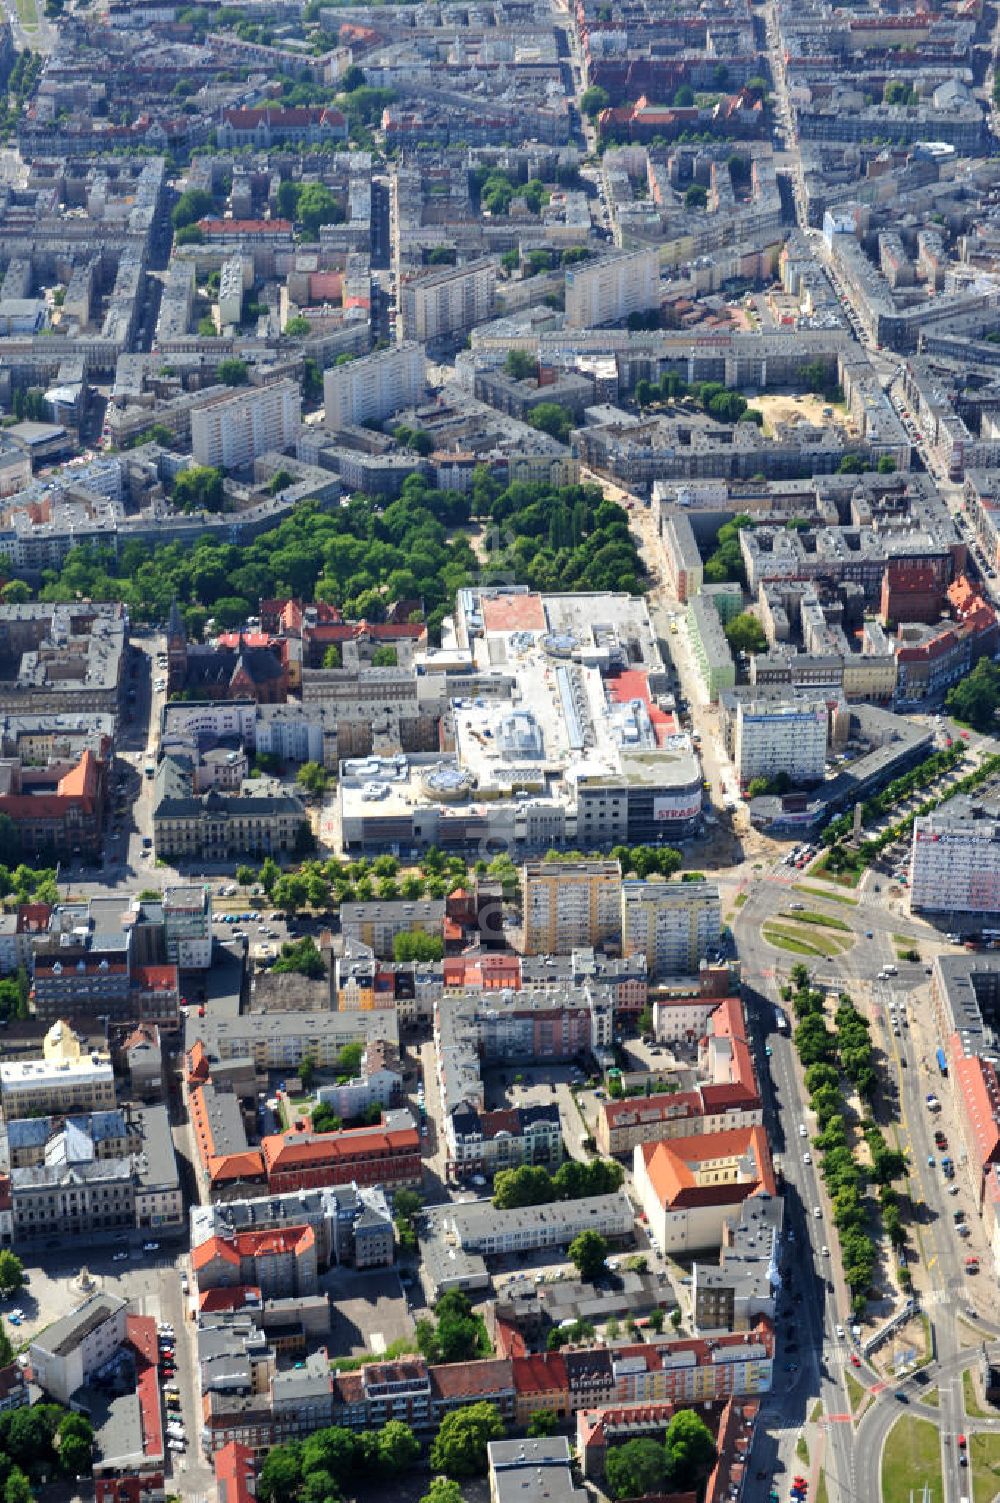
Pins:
x,y
377,924
674,924
67,1353
955,860
448,303
712,654
187,926
374,387
608,290
232,432
773,737
570,905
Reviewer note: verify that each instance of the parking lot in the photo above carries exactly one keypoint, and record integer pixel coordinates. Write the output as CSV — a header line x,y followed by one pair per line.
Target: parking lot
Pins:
x,y
369,1311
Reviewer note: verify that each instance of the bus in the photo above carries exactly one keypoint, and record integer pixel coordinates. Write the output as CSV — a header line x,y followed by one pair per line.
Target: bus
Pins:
x,y
780,1021
942,1061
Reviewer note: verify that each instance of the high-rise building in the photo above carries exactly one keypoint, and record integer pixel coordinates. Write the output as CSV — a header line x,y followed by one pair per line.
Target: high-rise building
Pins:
x,y
231,432
672,923
571,905
441,304
375,387
772,736
187,926
608,290
955,860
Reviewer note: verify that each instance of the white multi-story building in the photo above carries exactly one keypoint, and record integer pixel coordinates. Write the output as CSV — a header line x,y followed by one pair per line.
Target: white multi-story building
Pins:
x,y
233,431
608,290
441,304
68,1352
375,387
955,860
187,926
780,736
673,924
231,287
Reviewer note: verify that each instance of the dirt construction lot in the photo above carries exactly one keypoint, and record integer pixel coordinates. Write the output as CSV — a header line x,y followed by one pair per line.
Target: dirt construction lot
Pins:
x,y
782,407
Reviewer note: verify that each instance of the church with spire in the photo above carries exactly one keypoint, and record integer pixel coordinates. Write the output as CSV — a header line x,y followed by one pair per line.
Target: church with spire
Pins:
x,y
251,667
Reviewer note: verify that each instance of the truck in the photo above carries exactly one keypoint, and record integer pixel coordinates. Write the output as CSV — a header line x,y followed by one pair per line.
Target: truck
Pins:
x,y
942,1061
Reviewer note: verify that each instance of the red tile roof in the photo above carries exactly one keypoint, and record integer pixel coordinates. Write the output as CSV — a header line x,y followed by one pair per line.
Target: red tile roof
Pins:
x,y
471,1380
235,1473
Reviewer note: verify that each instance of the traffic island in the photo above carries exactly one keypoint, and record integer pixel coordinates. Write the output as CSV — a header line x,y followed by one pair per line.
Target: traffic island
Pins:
x,y
911,1459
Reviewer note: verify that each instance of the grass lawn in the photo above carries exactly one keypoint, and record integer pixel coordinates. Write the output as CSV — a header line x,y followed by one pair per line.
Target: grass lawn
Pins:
x,y
822,1496
855,1391
824,920
932,1398
823,892
740,899
849,878
912,1457
802,1450
973,1408
816,1411
984,1463
804,941
27,14
784,941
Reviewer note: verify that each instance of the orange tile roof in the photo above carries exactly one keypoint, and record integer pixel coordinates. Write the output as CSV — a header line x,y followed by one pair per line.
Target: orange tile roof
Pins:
x,y
285,1150
978,1087
669,1168
81,782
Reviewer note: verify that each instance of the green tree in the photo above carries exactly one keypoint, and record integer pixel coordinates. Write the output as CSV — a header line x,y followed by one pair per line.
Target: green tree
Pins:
x,y
975,700
269,874
594,100
281,1474
459,1448
684,97
520,365
553,419
332,657
696,196
15,592
17,1488
192,205
636,1468
11,1273
690,1451
189,234
442,1490
543,1422
300,957
199,488
417,946
234,372
744,633
385,657
398,1447
75,1444
297,327
316,207
314,778
886,465
588,1252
